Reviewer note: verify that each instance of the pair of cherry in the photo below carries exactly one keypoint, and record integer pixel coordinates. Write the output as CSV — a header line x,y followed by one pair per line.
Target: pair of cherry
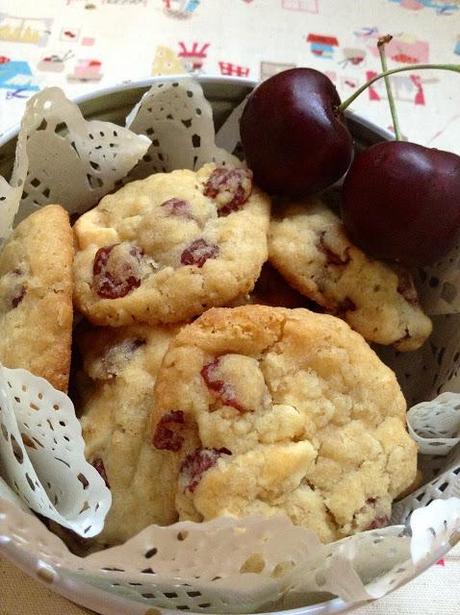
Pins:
x,y
401,201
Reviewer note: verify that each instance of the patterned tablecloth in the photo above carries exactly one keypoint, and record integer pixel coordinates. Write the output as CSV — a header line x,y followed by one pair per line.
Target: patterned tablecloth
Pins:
x,y
83,45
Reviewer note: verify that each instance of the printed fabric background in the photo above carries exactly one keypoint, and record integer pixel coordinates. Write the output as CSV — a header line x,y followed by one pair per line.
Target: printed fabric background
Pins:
x,y
84,45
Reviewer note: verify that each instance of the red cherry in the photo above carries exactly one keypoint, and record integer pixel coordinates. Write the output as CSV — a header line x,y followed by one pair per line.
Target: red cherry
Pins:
x,y
294,137
401,201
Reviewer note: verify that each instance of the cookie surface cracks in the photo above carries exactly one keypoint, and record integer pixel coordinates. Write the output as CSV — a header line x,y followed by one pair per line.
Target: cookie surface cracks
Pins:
x,y
284,411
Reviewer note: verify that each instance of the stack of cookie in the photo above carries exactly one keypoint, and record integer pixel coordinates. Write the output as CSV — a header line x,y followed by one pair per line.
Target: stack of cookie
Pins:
x,y
210,384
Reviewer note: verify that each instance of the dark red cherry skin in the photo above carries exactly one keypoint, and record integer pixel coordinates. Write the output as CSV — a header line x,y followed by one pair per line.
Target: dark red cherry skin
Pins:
x,y
295,140
401,202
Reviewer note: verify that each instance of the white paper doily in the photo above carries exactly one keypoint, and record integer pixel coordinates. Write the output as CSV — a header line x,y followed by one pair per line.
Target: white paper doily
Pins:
x,y
62,158
42,454
177,118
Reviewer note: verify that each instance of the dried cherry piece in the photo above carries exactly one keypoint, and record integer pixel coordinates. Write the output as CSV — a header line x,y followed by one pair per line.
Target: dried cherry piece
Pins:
x,y
230,187
116,273
197,463
15,289
379,522
101,259
223,390
168,435
406,287
198,252
18,295
178,207
98,465
332,257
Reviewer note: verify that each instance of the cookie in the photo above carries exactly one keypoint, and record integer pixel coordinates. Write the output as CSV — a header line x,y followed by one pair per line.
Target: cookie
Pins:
x,y
166,248
308,246
120,367
282,411
36,296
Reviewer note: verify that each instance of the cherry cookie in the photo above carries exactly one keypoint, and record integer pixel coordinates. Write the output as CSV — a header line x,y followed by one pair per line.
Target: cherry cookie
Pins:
x,y
272,410
36,296
309,247
116,392
166,248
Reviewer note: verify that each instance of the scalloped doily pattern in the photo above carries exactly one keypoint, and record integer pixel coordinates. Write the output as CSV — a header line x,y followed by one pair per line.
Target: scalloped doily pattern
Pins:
x,y
42,454
62,158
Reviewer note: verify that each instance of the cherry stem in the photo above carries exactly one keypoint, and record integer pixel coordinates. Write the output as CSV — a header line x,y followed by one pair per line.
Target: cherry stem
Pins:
x,y
346,103
384,40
